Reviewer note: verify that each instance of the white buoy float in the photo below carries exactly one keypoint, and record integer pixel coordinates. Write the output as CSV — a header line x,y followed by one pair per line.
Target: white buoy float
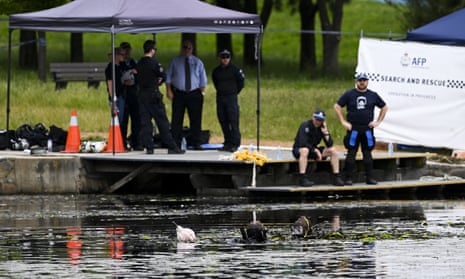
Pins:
x,y
184,234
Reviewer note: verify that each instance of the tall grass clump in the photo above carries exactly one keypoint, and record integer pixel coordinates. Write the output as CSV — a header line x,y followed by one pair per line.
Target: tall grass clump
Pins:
x,y
287,96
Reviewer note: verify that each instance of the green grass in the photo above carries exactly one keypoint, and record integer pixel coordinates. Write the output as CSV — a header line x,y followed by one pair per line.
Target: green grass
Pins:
x,y
287,97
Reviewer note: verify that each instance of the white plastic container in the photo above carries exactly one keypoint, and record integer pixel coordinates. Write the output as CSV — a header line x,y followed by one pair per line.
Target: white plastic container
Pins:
x,y
390,149
279,153
183,144
49,145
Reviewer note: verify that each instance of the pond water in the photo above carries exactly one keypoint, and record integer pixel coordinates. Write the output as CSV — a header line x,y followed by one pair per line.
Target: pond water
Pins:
x,y
96,236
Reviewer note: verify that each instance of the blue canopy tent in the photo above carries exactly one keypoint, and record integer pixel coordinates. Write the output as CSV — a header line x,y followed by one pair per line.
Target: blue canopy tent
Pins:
x,y
138,16
447,30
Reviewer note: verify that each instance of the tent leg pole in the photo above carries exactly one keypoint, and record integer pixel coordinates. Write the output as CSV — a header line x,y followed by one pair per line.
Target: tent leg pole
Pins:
x,y
8,90
113,112
259,62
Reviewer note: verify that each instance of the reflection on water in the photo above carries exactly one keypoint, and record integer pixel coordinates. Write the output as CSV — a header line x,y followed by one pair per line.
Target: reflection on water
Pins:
x,y
133,236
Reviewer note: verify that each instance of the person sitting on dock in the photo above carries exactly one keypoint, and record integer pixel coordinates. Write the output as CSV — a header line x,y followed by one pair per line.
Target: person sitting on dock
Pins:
x,y
305,147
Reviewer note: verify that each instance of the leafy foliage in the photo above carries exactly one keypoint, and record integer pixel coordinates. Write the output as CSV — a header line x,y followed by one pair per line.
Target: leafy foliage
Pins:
x,y
415,13
22,6
287,96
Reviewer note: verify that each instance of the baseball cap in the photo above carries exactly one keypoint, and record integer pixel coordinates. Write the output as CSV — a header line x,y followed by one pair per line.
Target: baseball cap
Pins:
x,y
125,45
319,115
224,53
361,76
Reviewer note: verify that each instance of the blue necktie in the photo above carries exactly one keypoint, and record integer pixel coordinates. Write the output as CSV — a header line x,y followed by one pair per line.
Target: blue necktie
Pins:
x,y
187,68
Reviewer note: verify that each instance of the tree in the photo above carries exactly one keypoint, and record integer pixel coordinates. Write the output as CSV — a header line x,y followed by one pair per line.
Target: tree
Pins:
x,y
331,33
416,13
330,13
249,39
307,10
266,13
76,47
224,40
28,39
250,6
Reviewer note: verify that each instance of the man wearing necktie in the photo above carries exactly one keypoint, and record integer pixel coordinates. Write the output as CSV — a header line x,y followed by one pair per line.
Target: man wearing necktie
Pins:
x,y
185,87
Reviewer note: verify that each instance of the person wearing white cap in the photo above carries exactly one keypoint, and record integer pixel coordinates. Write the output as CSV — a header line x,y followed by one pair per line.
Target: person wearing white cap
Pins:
x,y
305,147
360,102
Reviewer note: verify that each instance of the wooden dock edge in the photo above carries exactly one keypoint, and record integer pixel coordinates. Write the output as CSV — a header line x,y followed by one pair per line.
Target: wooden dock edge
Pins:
x,y
382,185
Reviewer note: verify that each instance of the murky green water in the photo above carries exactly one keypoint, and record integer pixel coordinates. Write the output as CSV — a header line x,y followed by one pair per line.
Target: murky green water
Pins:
x,y
133,236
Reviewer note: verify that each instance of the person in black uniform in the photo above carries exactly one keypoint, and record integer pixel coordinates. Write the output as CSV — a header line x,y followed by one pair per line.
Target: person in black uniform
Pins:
x,y
229,81
116,98
149,76
131,110
360,102
305,147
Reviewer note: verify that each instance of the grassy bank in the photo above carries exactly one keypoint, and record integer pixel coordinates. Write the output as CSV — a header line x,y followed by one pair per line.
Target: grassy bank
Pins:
x,y
287,96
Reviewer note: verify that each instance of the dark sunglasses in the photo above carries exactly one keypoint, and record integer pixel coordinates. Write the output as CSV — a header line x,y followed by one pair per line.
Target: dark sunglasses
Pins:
x,y
186,47
225,56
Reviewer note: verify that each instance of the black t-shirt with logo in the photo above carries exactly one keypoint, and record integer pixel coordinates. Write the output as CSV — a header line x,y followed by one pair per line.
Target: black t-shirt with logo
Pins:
x,y
360,106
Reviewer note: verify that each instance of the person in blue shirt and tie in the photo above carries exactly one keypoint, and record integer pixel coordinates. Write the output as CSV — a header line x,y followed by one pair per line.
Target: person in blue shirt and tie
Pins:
x,y
186,80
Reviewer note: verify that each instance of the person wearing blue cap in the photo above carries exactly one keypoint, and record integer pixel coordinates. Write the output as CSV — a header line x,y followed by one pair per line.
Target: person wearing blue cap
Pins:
x,y
305,147
360,102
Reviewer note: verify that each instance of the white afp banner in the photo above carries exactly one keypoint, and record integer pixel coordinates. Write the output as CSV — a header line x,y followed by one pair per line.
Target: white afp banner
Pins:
x,y
424,88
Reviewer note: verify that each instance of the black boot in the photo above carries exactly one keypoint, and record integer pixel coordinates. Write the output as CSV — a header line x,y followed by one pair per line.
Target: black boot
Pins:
x,y
337,180
369,171
304,181
348,179
371,181
348,172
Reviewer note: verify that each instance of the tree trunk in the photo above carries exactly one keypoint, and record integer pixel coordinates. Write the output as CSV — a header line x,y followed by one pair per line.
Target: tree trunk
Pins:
x,y
266,12
249,39
307,40
330,56
76,51
42,57
331,41
28,49
224,40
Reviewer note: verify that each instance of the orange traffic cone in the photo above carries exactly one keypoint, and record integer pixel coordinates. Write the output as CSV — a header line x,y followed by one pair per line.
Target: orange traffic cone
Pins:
x,y
115,140
73,139
74,245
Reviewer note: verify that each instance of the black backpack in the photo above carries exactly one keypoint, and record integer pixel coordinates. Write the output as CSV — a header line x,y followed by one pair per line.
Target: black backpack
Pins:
x,y
24,131
57,135
34,136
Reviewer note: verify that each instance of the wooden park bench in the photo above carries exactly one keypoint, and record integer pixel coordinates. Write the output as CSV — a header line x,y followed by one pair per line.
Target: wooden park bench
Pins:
x,y
92,72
